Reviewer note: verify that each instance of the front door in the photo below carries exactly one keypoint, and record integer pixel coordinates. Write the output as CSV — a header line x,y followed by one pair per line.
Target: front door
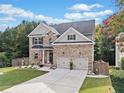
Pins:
x,y
51,56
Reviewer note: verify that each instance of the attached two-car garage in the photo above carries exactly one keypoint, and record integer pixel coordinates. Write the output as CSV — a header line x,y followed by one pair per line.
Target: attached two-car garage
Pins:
x,y
78,63
80,55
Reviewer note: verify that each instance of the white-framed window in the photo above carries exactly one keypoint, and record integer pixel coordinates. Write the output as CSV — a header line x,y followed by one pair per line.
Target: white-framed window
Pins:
x,y
37,40
40,40
72,37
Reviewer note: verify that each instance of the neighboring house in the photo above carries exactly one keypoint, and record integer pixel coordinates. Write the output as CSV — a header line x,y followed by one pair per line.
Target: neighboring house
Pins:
x,y
119,49
63,43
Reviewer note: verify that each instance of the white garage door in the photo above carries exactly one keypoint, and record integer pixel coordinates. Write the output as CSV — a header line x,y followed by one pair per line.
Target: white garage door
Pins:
x,y
63,62
79,63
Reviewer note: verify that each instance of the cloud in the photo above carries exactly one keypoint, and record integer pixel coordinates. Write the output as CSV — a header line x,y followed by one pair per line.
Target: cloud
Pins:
x,y
85,7
73,16
50,20
7,19
15,12
10,10
12,13
87,15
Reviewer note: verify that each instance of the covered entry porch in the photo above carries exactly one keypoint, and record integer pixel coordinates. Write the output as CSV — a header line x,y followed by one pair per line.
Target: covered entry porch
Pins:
x,y
42,56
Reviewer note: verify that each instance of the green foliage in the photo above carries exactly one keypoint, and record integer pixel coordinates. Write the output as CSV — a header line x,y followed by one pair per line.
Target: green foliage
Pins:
x,y
97,47
4,61
117,78
105,37
14,41
122,63
120,2
71,65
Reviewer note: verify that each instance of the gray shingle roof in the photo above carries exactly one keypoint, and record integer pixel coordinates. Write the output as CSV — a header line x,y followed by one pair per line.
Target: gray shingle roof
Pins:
x,y
84,27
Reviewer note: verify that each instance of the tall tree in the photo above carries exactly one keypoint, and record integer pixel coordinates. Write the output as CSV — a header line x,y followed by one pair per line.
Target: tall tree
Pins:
x,y
112,26
14,41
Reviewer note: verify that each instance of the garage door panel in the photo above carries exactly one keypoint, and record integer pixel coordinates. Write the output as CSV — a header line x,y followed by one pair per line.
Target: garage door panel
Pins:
x,y
63,62
79,63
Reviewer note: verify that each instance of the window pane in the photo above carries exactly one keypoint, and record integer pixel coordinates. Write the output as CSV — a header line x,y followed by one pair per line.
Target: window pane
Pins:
x,y
74,37
68,37
71,37
35,41
36,56
40,40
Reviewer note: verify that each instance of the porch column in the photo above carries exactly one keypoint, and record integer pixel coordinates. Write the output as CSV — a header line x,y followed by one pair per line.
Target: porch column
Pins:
x,y
48,57
43,58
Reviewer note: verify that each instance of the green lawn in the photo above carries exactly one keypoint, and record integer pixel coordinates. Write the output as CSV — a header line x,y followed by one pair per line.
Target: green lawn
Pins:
x,y
117,78
17,76
7,69
96,85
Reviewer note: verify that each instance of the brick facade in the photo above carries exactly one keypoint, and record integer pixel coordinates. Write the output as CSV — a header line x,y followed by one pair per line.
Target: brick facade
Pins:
x,y
80,48
74,51
50,35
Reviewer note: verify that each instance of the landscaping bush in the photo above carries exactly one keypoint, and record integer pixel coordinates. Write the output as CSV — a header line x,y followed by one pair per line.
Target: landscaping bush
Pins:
x,y
118,84
4,62
122,63
117,78
71,65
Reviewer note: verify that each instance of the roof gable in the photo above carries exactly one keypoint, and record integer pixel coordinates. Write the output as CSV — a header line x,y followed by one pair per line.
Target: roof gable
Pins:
x,y
80,38
42,29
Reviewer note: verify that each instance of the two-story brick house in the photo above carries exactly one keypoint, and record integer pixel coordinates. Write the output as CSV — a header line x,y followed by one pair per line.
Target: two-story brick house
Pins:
x,y
63,43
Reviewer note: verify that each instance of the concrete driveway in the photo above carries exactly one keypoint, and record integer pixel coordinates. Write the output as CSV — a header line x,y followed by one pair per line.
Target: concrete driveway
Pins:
x,y
56,81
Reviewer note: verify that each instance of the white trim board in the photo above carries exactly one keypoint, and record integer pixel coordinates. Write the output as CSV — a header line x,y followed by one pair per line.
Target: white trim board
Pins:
x,y
75,44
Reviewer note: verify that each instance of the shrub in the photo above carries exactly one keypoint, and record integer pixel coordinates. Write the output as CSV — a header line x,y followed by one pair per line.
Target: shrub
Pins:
x,y
4,61
122,63
71,65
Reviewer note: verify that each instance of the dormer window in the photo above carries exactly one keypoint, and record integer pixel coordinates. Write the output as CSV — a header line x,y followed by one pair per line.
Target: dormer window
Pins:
x,y
72,37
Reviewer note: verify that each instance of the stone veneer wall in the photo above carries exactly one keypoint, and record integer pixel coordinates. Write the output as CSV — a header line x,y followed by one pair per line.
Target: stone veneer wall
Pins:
x,y
75,51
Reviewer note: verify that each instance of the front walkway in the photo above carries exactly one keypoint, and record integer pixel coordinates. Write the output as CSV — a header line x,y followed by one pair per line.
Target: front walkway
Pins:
x,y
56,81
